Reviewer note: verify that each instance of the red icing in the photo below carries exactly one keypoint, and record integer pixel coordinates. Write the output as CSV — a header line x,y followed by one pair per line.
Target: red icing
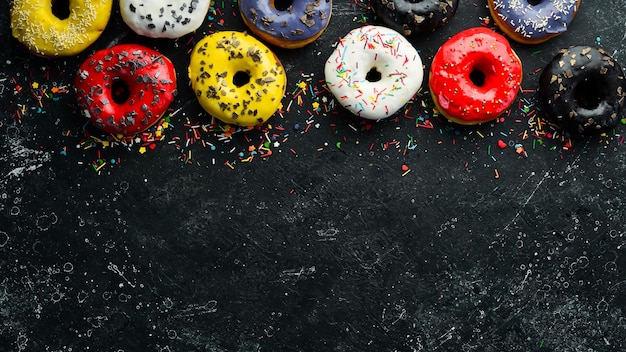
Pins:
x,y
491,58
150,80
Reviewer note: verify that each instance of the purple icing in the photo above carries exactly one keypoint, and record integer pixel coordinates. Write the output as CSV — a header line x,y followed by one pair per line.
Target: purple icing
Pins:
x,y
546,18
304,19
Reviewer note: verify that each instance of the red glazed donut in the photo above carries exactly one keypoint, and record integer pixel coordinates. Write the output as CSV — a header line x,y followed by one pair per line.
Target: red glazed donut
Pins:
x,y
125,89
475,76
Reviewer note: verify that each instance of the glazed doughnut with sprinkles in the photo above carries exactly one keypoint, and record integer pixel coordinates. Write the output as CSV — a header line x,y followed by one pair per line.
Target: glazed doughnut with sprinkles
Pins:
x,y
236,78
49,34
125,89
164,18
533,21
374,71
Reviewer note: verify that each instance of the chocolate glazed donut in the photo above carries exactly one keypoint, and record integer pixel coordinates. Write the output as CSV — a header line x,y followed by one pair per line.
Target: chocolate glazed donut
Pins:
x,y
412,17
582,90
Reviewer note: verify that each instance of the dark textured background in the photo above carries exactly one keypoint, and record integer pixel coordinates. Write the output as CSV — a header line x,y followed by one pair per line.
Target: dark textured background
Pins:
x,y
326,245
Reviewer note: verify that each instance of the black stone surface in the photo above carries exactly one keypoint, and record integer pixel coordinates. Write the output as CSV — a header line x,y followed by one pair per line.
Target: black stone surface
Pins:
x,y
351,236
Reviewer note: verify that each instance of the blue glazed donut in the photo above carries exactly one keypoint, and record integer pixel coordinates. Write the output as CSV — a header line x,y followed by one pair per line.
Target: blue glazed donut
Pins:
x,y
299,24
533,21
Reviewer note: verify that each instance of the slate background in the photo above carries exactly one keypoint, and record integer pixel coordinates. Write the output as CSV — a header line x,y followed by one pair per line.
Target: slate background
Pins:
x,y
327,245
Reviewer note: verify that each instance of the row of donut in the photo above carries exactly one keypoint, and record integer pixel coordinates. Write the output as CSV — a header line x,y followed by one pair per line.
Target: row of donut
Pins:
x,y
581,90
127,88
373,72
51,32
286,23
473,78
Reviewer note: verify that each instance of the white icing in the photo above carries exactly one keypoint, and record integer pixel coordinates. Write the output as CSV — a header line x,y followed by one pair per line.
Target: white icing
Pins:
x,y
164,18
389,53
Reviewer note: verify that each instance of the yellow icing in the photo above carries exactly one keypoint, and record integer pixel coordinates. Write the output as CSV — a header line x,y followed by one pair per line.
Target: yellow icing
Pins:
x,y
35,26
218,68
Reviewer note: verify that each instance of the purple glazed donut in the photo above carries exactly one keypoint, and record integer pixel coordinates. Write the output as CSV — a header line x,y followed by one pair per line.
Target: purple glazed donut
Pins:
x,y
289,24
533,21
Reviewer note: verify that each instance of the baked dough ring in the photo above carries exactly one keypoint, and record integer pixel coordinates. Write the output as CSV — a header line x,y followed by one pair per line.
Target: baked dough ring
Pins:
x,y
236,78
583,90
126,88
298,25
165,18
533,22
474,76
374,72
44,34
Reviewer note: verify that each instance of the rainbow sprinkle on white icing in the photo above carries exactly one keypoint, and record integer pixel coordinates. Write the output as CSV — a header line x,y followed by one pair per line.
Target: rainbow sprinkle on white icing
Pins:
x,y
380,49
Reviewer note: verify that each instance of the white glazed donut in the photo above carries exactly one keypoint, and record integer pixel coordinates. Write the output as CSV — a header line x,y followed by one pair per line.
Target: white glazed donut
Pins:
x,y
164,18
373,72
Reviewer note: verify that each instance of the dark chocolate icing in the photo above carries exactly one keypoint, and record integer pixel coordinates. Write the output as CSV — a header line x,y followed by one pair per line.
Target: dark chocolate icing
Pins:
x,y
582,90
412,17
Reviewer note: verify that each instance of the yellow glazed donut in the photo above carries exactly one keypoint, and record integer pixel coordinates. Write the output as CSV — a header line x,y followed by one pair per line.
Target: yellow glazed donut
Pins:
x,y
236,78
35,25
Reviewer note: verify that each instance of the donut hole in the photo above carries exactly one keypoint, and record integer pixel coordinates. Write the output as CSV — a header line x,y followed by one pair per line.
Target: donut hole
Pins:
x,y
61,9
477,77
589,93
534,2
120,92
282,5
480,72
373,75
241,78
